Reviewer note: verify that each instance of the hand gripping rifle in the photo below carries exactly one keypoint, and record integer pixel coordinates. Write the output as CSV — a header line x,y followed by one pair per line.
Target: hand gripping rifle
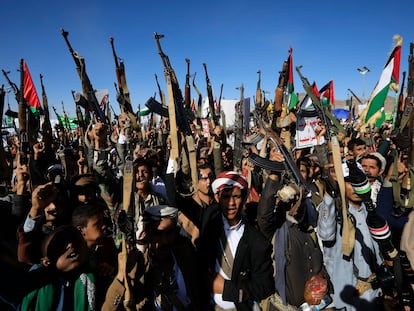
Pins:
x,y
177,115
87,89
289,165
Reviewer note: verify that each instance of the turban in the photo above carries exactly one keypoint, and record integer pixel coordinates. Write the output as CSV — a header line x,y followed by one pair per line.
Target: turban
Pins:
x,y
227,180
159,212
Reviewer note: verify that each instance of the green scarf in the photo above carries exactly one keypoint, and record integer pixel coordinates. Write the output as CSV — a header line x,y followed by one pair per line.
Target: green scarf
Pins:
x,y
42,299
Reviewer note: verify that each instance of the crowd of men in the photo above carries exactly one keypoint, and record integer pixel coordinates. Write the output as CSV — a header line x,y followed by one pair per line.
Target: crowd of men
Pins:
x,y
81,233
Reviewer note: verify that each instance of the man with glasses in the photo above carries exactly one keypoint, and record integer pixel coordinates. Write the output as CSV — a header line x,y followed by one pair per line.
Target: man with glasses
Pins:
x,y
202,199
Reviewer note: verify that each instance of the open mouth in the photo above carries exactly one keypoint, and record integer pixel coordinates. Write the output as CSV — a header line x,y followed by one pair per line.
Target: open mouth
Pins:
x,y
73,255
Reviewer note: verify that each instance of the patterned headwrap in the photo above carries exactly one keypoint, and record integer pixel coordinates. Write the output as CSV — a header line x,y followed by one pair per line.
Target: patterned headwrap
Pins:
x,y
229,179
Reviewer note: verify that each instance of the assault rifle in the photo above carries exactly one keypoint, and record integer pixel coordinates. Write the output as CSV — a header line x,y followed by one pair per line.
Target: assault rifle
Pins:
x,y
177,114
219,101
200,97
279,92
5,171
409,102
123,97
238,130
400,106
46,126
187,90
177,97
12,85
259,99
210,96
65,117
160,92
326,116
23,120
22,114
61,129
89,96
289,164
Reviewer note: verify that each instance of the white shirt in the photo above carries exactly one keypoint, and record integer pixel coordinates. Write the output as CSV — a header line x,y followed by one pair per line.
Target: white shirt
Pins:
x,y
233,235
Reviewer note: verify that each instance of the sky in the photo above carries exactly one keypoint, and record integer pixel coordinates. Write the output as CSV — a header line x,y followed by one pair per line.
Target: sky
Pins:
x,y
330,39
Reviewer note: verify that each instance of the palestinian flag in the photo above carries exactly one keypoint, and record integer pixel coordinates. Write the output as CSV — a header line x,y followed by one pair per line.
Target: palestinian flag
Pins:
x,y
292,97
30,94
389,80
327,95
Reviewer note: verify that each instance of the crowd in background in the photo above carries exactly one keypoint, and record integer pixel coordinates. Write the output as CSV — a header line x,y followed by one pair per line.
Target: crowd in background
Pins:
x,y
80,233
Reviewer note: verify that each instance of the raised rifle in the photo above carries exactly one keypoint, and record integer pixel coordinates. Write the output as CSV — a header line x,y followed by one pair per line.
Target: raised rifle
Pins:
x,y
23,121
21,114
210,96
160,92
279,93
123,96
62,137
200,97
258,101
5,170
290,167
87,89
238,130
46,126
177,115
219,101
332,124
409,102
356,97
187,90
65,118
12,85
400,107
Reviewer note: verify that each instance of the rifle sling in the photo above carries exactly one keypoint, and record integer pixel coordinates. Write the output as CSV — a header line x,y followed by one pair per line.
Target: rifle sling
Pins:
x,y
348,228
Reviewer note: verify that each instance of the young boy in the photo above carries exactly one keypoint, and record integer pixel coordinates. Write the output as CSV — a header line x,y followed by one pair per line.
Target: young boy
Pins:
x,y
72,286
